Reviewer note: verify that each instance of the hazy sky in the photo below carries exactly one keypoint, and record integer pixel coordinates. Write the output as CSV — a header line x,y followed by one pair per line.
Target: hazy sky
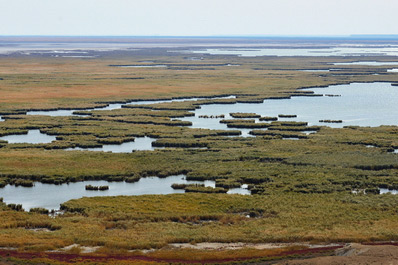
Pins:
x,y
198,17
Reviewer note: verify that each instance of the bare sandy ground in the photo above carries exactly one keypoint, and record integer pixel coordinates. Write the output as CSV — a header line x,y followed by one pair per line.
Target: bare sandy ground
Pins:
x,y
232,246
354,254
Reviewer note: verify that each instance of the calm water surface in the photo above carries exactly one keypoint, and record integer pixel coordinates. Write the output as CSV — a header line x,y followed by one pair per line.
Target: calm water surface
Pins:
x,y
333,51
371,63
384,191
50,196
114,106
139,144
363,104
33,137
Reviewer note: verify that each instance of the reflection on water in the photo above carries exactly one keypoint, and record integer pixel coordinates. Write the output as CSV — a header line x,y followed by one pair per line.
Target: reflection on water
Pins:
x,y
139,144
33,137
50,196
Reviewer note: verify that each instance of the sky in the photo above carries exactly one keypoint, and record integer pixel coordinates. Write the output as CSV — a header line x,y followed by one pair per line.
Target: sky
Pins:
x,y
198,17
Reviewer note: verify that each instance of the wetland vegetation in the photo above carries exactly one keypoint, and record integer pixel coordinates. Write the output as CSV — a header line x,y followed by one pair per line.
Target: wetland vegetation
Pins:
x,y
323,187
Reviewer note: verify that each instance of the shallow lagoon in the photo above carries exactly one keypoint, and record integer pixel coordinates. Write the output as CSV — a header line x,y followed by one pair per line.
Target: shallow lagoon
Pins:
x,y
33,137
50,196
370,63
139,144
358,104
362,104
114,106
302,51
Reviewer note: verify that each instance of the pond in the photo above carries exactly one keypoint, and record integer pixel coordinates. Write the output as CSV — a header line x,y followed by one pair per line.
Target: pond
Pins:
x,y
351,104
32,137
139,144
50,196
384,191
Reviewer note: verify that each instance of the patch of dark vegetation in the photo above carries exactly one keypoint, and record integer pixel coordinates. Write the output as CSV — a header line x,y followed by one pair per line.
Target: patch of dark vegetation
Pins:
x,y
241,115
39,210
90,187
200,188
287,116
15,207
376,167
132,179
212,116
179,143
177,186
331,121
251,124
280,134
268,118
131,78
22,182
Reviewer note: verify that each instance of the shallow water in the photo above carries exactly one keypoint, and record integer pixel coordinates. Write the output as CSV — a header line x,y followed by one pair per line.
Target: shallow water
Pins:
x,y
384,191
114,106
33,137
316,70
50,196
143,66
51,112
139,144
362,104
242,190
278,51
371,63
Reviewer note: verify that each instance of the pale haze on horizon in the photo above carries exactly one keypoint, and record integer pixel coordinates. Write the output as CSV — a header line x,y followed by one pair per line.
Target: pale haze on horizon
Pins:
x,y
197,18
